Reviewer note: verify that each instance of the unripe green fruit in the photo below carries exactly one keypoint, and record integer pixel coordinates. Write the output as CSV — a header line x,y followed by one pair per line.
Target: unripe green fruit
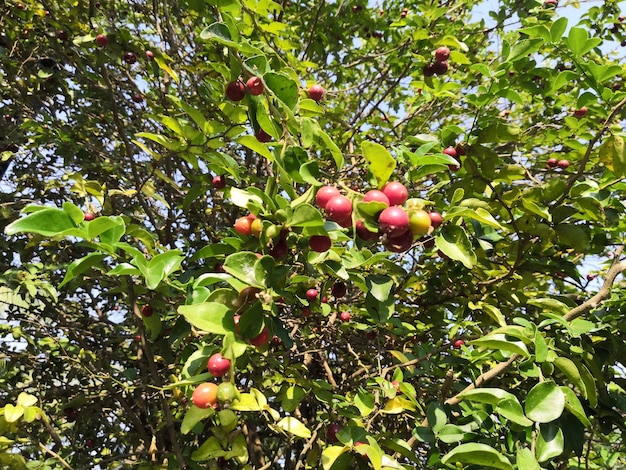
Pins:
x,y
226,392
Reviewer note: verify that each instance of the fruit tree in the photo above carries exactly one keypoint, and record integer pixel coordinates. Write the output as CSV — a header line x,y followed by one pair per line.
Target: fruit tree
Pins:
x,y
307,234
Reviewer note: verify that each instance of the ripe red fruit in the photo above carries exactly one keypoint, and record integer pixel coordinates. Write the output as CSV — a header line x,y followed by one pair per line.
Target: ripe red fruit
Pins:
x,y
331,432
435,219
580,112
312,294
87,216
102,40
552,162
428,70
394,221
130,58
345,316
338,290
279,250
320,243
70,414
243,225
262,339
563,164
338,208
218,365
235,91
399,244
440,67
451,151
219,182
147,311
376,195
404,13
150,55
371,335
90,443
306,312
62,35
396,192
363,233
591,277
254,86
442,54
205,395
263,136
458,343
137,98
325,194
316,92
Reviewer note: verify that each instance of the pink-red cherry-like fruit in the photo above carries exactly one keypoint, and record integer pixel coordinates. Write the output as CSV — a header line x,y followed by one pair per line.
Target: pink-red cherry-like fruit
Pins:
x,y
339,208
254,86
394,221
325,194
396,192
218,365
316,92
376,195
235,91
442,54
320,243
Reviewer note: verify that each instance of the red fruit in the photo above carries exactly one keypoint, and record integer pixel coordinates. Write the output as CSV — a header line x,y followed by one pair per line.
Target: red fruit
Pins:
x,y
276,340
428,70
218,365
90,443
338,208
435,219
235,91
325,194
563,164
404,13
580,112
71,414
458,343
320,243
254,86
150,55
312,294
394,221
263,136
440,67
316,92
591,277
205,395
552,162
364,234
396,385
262,339
130,58
396,192
137,98
345,316
306,312
87,216
279,250
451,151
147,311
338,290
371,335
102,40
243,226
219,182
442,54
399,244
331,432
376,195
62,35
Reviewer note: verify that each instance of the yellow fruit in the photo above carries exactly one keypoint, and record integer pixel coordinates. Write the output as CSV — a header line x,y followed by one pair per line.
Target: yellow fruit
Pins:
x,y
419,222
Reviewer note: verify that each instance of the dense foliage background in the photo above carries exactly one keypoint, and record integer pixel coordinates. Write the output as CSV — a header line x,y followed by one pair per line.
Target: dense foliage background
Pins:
x,y
494,341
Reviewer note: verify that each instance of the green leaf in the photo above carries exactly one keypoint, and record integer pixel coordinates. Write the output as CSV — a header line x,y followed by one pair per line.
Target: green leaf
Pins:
x,y
579,42
292,398
575,236
218,32
245,199
253,144
305,215
245,267
365,402
525,460
79,266
552,305
209,450
379,161
550,442
502,341
545,402
379,286
193,416
160,267
511,409
49,221
26,399
499,131
294,426
437,417
451,433
246,402
486,395
613,154
570,370
211,317
453,241
558,28
479,214
481,455
284,87
330,454
534,208
541,347
329,145
13,412
573,405
524,48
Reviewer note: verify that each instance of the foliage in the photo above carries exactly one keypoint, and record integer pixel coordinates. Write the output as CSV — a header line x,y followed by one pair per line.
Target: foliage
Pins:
x,y
525,270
